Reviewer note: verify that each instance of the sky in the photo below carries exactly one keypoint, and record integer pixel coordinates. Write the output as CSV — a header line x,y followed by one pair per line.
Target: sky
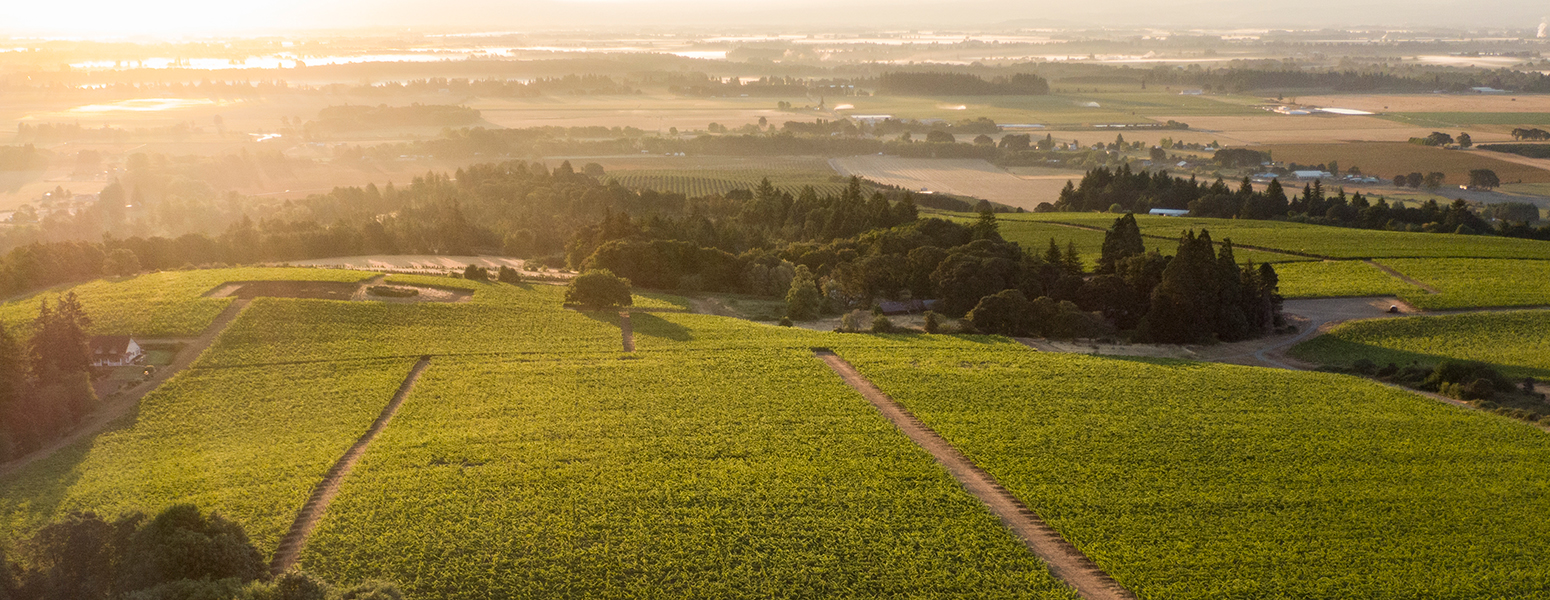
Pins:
x,y
111,18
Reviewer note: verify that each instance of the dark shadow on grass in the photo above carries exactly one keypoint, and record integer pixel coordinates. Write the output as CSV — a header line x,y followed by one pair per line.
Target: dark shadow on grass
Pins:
x,y
610,317
1332,351
648,324
43,486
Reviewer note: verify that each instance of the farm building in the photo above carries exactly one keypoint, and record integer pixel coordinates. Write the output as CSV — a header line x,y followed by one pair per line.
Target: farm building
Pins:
x,y
1168,212
1313,174
114,351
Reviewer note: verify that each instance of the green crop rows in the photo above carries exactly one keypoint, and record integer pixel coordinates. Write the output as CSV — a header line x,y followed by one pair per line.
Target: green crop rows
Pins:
x,y
1327,279
695,183
1186,480
283,331
162,304
1519,341
743,475
1469,283
248,442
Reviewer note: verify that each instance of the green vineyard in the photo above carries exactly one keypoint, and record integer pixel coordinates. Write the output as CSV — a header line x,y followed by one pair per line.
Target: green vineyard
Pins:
x,y
709,182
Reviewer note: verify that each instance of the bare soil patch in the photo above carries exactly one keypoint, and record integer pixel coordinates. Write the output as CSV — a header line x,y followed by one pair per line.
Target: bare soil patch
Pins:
x,y
958,176
1424,103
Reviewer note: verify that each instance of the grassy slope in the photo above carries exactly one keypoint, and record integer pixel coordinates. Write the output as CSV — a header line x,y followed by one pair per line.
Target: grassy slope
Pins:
x,y
247,442
161,304
1209,481
609,478
1468,283
1519,341
281,331
1327,279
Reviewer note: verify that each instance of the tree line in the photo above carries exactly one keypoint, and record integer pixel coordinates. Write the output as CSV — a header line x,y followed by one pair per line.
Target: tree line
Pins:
x,y
1124,189
45,378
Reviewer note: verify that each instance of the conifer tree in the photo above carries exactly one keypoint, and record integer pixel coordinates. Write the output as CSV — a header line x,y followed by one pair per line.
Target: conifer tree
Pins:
x,y
1123,240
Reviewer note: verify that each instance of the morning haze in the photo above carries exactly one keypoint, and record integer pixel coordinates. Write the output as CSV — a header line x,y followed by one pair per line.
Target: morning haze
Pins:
x,y
347,300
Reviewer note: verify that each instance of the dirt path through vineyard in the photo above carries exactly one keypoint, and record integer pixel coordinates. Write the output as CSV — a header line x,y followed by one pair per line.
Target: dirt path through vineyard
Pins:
x,y
307,518
1064,560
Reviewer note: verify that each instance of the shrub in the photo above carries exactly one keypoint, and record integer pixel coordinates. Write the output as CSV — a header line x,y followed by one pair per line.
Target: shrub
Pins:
x,y
598,289
881,324
476,273
1389,370
1463,372
1479,389
509,275
785,321
121,262
299,585
851,321
933,322
372,590
1364,366
803,300
1006,312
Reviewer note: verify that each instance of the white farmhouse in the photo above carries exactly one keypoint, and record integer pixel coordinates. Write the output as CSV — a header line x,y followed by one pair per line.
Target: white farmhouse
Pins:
x,y
114,351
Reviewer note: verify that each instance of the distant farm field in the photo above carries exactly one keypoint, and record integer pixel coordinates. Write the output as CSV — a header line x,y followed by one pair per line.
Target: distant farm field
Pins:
x,y
1270,128
1467,119
1518,341
1434,103
1389,159
707,182
958,176
1315,240
1195,481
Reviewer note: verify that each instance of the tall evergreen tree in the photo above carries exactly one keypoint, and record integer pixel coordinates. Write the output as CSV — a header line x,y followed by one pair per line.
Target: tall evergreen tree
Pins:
x,y
1185,304
1123,240
1231,322
60,343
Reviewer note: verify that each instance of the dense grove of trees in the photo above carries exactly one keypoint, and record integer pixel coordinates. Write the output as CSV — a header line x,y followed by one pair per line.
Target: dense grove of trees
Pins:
x,y
181,553
45,383
22,158
1125,189
959,84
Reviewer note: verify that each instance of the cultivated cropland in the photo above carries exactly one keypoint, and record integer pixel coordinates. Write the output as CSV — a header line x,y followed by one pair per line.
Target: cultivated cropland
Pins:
x,y
345,309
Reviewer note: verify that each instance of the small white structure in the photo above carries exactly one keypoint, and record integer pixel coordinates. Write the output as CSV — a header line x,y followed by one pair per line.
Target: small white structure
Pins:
x,y
114,351
1487,90
1313,174
1168,212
